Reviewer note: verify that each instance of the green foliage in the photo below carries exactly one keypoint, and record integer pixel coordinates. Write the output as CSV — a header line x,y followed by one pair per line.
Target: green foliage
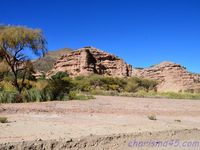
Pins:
x,y
135,84
100,82
7,86
81,83
148,84
14,40
115,84
34,95
59,85
62,87
7,97
59,76
132,85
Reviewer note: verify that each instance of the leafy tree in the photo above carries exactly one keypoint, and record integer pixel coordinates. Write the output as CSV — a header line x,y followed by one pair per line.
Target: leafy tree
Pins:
x,y
16,43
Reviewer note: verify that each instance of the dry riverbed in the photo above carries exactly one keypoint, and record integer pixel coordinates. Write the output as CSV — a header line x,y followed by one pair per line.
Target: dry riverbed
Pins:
x,y
107,122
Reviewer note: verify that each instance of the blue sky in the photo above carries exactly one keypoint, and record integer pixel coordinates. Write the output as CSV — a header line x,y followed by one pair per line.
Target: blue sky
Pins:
x,y
143,32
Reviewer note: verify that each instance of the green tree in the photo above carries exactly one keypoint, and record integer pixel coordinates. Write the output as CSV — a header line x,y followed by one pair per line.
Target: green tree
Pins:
x,y
16,43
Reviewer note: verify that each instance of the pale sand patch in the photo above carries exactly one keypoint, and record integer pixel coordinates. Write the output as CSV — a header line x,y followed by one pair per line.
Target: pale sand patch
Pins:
x,y
102,117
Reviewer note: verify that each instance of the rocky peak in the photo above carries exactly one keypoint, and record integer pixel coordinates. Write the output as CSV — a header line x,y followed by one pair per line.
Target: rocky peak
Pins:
x,y
89,60
171,77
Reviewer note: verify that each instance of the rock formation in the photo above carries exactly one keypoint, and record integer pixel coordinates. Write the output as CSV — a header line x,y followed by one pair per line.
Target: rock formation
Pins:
x,y
89,60
171,77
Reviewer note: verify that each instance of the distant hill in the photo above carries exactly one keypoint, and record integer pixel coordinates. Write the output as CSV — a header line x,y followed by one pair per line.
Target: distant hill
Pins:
x,y
46,63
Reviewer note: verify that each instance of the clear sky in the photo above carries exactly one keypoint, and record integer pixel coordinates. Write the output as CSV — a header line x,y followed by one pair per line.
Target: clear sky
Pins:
x,y
143,32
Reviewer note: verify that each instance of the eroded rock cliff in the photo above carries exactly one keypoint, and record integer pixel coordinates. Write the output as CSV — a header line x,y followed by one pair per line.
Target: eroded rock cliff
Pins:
x,y
89,60
171,77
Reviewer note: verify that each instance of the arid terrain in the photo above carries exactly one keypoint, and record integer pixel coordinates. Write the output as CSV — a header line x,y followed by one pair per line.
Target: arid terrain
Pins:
x,y
106,122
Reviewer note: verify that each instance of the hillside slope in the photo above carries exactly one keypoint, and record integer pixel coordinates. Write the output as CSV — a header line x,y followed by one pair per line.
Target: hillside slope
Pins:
x,y
45,63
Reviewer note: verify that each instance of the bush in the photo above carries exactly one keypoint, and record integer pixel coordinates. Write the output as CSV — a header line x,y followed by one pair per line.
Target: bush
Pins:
x,y
7,86
149,84
81,84
8,97
62,87
59,75
34,95
59,85
152,117
132,85
41,84
107,83
135,84
3,120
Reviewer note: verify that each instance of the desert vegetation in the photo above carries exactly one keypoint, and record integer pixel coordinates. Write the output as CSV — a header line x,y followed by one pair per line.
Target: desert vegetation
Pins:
x,y
18,83
152,117
3,120
62,87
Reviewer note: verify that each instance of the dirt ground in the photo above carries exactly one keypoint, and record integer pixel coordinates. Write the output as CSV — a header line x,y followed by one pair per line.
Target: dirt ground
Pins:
x,y
107,122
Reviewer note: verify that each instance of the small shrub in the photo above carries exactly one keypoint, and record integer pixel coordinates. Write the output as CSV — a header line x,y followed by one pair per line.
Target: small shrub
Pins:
x,y
59,85
41,84
7,86
7,97
72,95
132,85
148,84
59,75
81,84
3,120
177,120
152,117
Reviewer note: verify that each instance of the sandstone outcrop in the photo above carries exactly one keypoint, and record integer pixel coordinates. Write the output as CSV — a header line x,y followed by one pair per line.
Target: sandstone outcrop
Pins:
x,y
89,60
171,77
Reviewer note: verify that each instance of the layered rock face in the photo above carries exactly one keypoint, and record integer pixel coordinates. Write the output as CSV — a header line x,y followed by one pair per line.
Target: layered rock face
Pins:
x,y
171,77
89,60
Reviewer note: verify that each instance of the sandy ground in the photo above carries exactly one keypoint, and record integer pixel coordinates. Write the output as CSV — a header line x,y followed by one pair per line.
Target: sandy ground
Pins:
x,y
106,122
